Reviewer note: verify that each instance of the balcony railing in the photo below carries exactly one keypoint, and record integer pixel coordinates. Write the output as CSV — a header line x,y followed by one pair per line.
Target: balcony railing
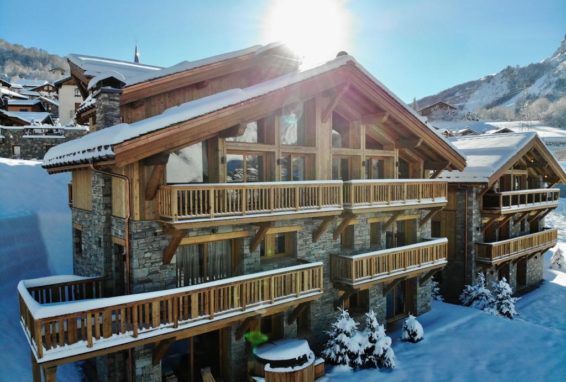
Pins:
x,y
394,192
72,327
516,247
390,263
209,201
516,201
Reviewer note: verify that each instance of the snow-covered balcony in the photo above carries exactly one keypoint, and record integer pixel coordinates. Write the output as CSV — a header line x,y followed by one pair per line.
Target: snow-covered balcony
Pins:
x,y
361,270
504,250
65,318
509,202
392,194
222,203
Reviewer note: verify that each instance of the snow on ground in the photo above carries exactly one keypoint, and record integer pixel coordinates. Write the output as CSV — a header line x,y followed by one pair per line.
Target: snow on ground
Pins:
x,y
35,240
465,344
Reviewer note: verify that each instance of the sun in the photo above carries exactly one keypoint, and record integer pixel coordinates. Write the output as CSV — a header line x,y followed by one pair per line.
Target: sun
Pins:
x,y
315,29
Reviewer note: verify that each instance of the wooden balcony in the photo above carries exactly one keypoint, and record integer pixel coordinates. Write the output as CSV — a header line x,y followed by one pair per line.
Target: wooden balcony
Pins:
x,y
509,202
68,321
363,270
500,251
254,202
392,194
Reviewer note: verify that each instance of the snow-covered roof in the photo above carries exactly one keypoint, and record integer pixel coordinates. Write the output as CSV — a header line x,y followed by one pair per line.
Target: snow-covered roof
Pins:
x,y
27,116
23,102
547,133
189,65
29,92
49,100
485,155
9,93
94,66
27,83
99,145
479,127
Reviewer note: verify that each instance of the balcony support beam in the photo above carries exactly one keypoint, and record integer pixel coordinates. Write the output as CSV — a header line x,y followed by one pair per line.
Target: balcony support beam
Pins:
x,y
176,238
154,181
521,216
346,220
504,221
429,216
392,220
35,369
439,170
260,235
541,215
160,350
409,143
490,223
50,374
292,317
322,228
389,287
246,325
339,302
428,275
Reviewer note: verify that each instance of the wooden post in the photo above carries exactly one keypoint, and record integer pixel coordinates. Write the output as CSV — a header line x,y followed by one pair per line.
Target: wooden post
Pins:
x,y
35,369
50,374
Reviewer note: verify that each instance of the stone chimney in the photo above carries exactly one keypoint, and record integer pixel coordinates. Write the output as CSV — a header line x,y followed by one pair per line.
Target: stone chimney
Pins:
x,y
107,107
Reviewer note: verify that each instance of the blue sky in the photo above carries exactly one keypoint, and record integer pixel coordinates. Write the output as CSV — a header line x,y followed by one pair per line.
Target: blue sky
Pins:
x,y
414,47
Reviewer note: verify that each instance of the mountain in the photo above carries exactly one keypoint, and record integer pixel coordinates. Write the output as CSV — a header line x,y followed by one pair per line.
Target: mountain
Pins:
x,y
17,61
535,91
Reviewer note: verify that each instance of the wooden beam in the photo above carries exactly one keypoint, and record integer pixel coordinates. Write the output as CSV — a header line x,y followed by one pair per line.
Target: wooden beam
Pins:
x,y
322,228
428,275
292,317
491,222
409,143
35,369
284,229
438,171
260,235
160,350
154,181
244,326
438,165
338,93
343,224
161,158
169,252
521,216
234,131
343,297
504,221
429,216
375,117
389,287
199,239
541,215
50,374
392,219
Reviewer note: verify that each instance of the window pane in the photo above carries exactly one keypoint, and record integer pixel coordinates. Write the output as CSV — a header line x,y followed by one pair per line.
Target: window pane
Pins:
x,y
235,168
185,165
285,164
298,168
292,124
280,244
254,168
249,136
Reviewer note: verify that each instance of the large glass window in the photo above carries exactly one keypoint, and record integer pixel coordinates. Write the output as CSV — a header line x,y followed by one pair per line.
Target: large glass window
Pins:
x,y
186,165
250,134
292,124
293,167
245,167
375,168
341,168
277,245
200,263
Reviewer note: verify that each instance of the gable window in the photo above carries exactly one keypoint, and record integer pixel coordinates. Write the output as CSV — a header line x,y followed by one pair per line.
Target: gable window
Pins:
x,y
292,124
250,134
77,92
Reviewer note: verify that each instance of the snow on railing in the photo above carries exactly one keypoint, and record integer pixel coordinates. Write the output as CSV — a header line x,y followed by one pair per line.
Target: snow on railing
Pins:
x,y
62,329
378,265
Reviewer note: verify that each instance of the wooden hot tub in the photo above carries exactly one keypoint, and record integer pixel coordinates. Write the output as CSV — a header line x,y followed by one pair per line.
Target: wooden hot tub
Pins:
x,y
288,360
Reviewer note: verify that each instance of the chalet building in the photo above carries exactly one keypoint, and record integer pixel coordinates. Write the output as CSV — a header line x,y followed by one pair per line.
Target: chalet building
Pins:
x,y
235,194
25,105
437,107
69,98
494,220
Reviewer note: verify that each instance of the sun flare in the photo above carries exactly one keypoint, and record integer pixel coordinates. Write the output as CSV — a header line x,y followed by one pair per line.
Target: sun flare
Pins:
x,y
315,29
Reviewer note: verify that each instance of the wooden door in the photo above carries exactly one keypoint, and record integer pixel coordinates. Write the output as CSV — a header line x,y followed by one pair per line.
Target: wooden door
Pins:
x,y
521,273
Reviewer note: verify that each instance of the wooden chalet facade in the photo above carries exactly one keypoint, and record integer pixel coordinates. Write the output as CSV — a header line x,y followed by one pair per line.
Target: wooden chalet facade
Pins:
x,y
494,220
235,194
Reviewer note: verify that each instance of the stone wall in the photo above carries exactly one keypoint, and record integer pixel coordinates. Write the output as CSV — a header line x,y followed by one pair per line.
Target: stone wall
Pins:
x,y
33,146
535,270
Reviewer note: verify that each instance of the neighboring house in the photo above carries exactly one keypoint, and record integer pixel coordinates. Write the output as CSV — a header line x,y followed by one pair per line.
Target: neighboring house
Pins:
x,y
25,105
494,220
22,118
237,194
69,98
33,141
436,107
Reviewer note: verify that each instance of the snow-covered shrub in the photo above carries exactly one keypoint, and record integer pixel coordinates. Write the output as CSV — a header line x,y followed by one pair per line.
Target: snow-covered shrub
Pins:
x,y
504,303
477,295
378,351
341,348
412,330
558,260
435,291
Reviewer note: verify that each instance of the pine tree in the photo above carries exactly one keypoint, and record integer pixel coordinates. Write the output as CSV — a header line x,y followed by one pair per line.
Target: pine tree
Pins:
x,y
477,295
504,303
435,291
338,349
558,260
412,330
378,351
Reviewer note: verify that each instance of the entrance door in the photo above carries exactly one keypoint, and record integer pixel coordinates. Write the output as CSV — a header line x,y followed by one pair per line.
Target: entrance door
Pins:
x,y
504,271
406,232
521,273
396,302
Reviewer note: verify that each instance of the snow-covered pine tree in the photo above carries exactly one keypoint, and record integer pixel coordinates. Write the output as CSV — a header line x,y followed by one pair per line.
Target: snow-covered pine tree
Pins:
x,y
435,291
504,303
477,295
558,260
412,330
378,351
338,349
